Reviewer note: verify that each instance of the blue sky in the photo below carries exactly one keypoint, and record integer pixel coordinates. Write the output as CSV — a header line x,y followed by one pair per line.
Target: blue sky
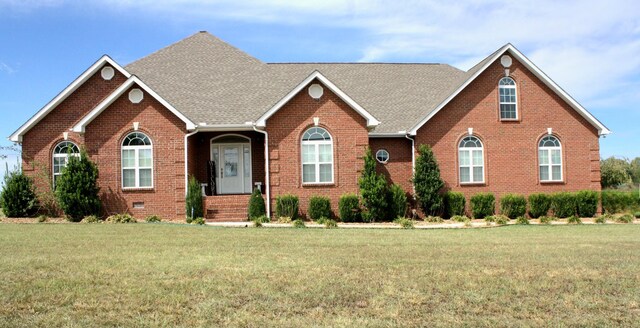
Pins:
x,y
590,48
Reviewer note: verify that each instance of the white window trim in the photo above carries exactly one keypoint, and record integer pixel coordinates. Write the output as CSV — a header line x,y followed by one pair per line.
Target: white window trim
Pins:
x,y
60,155
500,102
316,163
470,150
136,166
549,166
388,156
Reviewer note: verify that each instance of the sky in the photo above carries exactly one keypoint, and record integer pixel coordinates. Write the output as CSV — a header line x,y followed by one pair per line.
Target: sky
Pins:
x,y
590,48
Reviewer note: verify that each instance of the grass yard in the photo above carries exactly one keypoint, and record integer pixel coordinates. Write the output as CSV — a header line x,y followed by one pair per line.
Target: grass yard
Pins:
x,y
88,275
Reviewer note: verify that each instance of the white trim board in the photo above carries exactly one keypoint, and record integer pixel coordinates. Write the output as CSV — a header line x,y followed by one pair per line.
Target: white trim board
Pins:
x,y
80,80
371,120
80,126
602,130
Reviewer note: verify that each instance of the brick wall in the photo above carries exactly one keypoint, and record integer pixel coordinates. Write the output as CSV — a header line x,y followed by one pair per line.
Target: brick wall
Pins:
x,y
103,140
39,142
398,168
511,148
286,127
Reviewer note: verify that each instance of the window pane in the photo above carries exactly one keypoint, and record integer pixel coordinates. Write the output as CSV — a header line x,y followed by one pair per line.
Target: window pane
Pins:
x,y
556,172
464,174
325,153
555,156
231,162
544,173
308,173
246,161
308,153
477,174
128,178
128,158
145,177
144,157
477,157
464,157
544,156
325,172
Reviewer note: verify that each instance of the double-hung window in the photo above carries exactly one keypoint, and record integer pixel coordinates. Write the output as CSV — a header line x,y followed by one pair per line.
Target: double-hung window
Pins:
x,y
471,160
550,159
508,99
317,156
137,161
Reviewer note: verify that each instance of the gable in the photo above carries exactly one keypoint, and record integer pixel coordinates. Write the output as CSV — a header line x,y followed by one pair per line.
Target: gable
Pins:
x,y
68,91
486,63
316,75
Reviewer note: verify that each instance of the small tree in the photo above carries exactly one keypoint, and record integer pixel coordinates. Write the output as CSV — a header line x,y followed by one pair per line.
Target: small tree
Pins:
x,y
614,172
397,202
77,188
373,189
427,182
194,204
256,205
18,198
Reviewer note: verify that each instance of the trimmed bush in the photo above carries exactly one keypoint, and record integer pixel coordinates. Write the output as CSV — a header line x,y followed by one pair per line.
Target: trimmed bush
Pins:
x,y
626,218
636,215
319,206
501,220
601,219
121,218
42,218
330,224
397,201
405,223
91,219
198,221
563,204
194,203
513,205
427,182
349,206
587,203
539,205
77,188
287,205
256,205
614,201
482,204
18,196
373,189
299,224
454,203
284,219
522,220
152,219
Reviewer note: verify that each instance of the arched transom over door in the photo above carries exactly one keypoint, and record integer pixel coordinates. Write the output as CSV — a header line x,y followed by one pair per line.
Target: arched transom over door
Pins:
x,y
231,155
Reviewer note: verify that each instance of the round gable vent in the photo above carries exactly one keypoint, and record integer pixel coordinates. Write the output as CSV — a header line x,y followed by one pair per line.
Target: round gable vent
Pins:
x,y
316,91
107,73
135,96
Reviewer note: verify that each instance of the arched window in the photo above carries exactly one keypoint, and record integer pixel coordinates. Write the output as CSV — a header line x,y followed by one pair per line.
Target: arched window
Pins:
x,y
471,160
317,156
137,161
550,159
508,99
61,154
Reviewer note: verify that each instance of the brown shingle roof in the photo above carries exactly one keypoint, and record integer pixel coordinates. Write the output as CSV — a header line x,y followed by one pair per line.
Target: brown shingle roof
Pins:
x,y
210,81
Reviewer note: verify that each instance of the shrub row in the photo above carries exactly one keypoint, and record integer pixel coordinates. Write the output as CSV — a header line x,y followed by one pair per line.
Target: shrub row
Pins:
x,y
614,201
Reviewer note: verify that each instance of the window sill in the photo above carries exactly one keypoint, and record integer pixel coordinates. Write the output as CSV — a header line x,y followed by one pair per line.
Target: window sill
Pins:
x,y
471,184
509,120
552,182
137,189
318,184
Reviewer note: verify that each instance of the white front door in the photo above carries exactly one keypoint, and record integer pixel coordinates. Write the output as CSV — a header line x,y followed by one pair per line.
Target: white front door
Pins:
x,y
233,168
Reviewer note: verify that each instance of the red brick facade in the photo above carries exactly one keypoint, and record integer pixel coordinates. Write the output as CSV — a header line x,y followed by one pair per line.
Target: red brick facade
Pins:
x,y
510,147
350,138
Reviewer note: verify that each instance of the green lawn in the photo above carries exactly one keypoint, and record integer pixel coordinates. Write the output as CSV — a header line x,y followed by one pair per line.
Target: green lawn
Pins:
x,y
178,275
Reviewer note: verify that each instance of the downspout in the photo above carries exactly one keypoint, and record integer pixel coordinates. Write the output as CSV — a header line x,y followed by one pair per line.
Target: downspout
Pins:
x,y
413,160
266,168
186,161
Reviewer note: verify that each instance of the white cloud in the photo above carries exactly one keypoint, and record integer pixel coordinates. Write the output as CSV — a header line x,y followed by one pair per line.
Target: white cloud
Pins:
x,y
6,68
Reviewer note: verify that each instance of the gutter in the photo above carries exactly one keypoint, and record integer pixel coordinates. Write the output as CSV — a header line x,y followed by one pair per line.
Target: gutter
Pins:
x,y
266,164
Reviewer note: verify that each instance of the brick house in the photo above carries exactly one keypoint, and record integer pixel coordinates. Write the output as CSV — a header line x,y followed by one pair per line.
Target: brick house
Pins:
x,y
204,108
